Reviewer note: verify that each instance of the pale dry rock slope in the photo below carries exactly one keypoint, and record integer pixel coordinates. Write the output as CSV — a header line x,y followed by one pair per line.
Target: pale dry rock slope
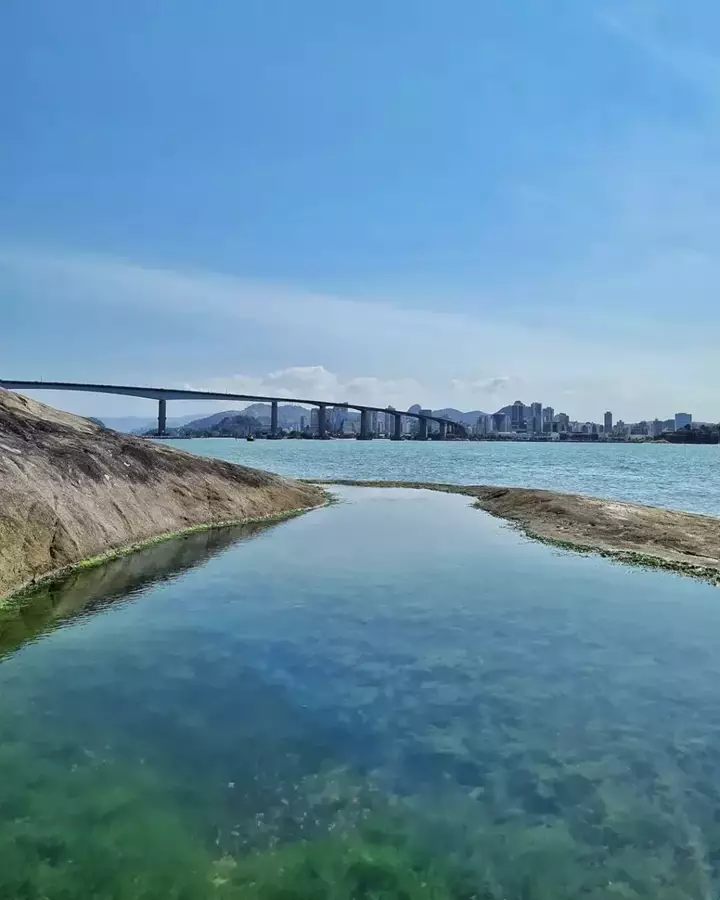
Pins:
x,y
71,490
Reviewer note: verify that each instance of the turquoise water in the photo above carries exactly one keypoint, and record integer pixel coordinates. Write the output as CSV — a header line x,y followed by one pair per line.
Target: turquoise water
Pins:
x,y
395,696
670,475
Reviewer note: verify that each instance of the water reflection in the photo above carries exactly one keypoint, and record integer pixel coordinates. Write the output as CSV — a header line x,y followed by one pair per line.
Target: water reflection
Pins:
x,y
90,589
395,696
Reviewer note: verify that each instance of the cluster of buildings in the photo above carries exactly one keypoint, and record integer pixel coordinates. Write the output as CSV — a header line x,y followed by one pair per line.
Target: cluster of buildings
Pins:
x,y
536,421
520,419
343,422
517,421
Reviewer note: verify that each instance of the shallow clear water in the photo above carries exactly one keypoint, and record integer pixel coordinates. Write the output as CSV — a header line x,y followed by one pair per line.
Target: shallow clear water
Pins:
x,y
396,696
675,476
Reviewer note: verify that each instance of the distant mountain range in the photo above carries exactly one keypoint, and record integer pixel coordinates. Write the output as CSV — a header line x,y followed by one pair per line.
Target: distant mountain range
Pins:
x,y
139,424
221,425
457,415
289,416
288,413
213,419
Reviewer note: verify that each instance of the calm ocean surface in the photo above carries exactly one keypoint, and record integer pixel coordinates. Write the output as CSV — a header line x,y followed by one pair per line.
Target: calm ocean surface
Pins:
x,y
393,697
670,475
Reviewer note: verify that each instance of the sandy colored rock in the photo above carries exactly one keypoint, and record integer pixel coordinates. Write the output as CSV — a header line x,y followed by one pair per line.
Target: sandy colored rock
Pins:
x,y
71,490
596,524
638,533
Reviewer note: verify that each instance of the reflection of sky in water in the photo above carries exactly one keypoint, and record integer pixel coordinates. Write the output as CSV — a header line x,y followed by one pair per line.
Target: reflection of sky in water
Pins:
x,y
547,719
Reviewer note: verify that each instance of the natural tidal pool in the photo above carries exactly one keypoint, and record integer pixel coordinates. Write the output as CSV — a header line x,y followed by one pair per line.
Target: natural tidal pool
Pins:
x,y
393,697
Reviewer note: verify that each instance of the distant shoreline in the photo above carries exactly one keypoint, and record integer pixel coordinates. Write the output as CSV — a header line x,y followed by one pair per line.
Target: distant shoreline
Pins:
x,y
472,440
632,533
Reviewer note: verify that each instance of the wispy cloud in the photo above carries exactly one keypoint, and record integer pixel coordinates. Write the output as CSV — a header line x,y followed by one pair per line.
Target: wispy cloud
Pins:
x,y
316,382
289,341
663,33
494,385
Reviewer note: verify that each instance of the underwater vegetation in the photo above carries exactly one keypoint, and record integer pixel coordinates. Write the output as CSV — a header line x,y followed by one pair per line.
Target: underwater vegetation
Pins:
x,y
253,730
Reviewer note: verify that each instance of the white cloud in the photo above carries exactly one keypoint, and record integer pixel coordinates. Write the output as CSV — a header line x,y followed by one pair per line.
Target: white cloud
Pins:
x,y
391,353
400,345
494,385
317,383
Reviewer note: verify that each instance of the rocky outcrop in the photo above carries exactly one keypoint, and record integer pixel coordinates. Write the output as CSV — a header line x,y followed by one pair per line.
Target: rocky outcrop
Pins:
x,y
630,530
71,490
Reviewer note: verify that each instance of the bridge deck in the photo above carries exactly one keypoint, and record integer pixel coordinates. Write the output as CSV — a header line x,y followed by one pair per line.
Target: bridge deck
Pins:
x,y
154,393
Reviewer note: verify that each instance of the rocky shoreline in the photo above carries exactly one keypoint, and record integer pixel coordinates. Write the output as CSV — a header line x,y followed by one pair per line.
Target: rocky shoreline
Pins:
x,y
630,532
74,493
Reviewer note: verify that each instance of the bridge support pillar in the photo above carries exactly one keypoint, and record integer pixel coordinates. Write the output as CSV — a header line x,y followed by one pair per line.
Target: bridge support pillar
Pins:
x,y
397,433
443,431
162,416
422,429
365,425
273,418
322,420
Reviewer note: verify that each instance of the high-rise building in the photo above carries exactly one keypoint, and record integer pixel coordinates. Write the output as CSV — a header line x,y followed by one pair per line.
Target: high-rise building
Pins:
x,y
314,420
563,421
373,422
682,420
390,420
608,422
484,426
547,418
517,415
501,423
334,419
656,428
536,422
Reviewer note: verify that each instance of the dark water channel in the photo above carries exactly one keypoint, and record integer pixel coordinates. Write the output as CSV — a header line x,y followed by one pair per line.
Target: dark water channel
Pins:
x,y
396,696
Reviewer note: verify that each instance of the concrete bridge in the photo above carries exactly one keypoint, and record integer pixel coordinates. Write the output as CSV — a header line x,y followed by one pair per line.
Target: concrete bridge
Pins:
x,y
162,395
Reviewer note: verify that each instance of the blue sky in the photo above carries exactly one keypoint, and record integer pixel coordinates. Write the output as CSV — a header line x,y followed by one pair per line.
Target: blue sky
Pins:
x,y
454,203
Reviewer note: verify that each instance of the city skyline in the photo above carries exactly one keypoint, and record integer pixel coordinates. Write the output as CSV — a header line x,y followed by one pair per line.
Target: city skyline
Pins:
x,y
312,381
518,420
532,418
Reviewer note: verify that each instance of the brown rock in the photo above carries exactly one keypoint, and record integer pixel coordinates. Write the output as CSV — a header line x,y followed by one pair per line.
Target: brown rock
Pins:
x,y
71,490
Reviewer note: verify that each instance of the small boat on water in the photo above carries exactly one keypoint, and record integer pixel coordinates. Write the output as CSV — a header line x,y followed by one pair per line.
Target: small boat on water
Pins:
x,y
250,437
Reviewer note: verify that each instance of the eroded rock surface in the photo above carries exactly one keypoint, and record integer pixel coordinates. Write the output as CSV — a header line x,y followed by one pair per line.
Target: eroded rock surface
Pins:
x,y
70,490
